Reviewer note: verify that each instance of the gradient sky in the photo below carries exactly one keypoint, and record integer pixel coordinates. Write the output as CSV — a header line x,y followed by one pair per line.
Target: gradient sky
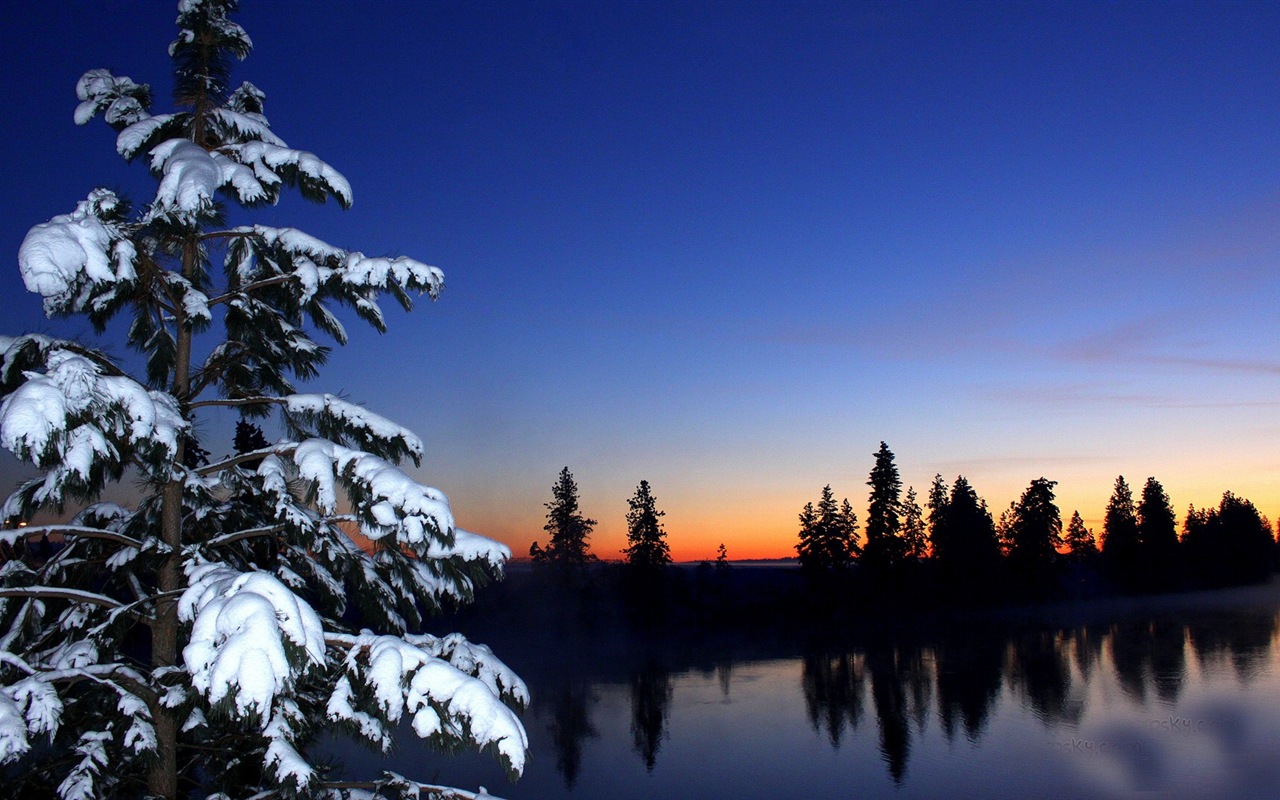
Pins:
x,y
729,247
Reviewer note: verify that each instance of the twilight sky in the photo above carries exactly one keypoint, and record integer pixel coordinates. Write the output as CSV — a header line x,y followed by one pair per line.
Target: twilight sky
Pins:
x,y
729,247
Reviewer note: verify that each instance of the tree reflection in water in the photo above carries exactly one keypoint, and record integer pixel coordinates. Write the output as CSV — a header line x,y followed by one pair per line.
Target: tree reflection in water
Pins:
x,y
650,698
571,726
968,675
1108,680
889,695
832,685
1242,638
1040,674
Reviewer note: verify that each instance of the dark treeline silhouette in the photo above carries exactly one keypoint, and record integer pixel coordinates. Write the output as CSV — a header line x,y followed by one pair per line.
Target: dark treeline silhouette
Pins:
x,y
950,554
1026,556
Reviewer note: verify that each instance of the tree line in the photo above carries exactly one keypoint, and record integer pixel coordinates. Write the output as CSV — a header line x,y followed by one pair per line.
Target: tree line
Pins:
x,y
955,543
953,548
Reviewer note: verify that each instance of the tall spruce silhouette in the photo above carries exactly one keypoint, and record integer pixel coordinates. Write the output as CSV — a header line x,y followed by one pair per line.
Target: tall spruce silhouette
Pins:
x,y
1157,540
646,540
937,504
1121,550
1035,536
568,528
885,548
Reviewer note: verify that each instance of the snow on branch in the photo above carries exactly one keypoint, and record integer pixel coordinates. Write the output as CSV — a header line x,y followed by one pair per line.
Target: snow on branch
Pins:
x,y
78,261
58,593
83,427
121,101
405,787
272,164
336,418
251,638
263,254
148,132
386,677
385,499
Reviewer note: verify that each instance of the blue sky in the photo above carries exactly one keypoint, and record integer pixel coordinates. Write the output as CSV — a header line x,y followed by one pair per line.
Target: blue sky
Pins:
x,y
729,247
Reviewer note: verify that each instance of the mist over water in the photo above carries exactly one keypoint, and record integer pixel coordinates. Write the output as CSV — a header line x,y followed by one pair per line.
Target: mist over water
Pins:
x,y
1161,697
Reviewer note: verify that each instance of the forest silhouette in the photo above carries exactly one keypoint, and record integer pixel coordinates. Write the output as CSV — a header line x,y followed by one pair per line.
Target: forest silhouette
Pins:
x,y
949,553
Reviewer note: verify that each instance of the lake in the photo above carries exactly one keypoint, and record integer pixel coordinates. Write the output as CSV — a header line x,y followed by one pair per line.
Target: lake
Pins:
x,y
1176,696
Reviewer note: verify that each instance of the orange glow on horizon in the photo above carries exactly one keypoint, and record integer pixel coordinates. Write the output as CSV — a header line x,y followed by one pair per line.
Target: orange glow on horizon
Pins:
x,y
771,532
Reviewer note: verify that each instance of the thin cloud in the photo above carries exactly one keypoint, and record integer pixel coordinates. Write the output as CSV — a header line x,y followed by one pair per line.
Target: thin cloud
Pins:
x,y
1093,396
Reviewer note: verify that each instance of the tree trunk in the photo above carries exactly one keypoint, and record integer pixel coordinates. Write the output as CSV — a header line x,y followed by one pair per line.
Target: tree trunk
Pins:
x,y
163,779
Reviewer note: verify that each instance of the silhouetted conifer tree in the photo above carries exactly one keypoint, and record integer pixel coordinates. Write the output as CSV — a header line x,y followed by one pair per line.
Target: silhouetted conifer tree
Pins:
x,y
847,528
885,548
1035,536
1004,528
1157,539
1121,551
249,438
939,500
647,542
965,545
828,534
914,536
1081,544
1037,525
568,528
1229,545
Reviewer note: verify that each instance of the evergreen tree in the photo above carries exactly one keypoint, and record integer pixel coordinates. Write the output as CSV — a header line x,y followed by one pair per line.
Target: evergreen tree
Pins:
x,y
722,557
914,536
965,547
156,653
885,548
1229,545
939,500
1004,528
569,529
1037,524
847,529
646,541
1157,539
828,536
1120,545
1036,535
1080,540
248,438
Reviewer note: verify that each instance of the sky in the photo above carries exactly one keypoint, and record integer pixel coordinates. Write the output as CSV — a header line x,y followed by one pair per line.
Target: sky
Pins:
x,y
730,247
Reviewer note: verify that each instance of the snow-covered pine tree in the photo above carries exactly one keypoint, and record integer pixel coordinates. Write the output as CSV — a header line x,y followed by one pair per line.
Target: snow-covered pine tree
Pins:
x,y
198,640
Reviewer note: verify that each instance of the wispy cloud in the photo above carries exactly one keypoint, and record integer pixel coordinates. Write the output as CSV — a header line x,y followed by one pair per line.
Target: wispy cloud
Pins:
x,y
1096,395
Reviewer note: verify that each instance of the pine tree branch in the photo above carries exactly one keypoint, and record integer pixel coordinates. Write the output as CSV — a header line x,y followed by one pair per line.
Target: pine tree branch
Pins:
x,y
238,402
11,536
250,287
119,677
53,592
245,534
226,463
425,790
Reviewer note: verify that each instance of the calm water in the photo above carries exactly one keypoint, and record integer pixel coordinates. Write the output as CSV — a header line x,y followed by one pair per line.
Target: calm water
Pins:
x,y
1178,699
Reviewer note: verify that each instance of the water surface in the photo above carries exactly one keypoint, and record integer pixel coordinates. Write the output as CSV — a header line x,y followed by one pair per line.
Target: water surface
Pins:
x,y
1172,697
